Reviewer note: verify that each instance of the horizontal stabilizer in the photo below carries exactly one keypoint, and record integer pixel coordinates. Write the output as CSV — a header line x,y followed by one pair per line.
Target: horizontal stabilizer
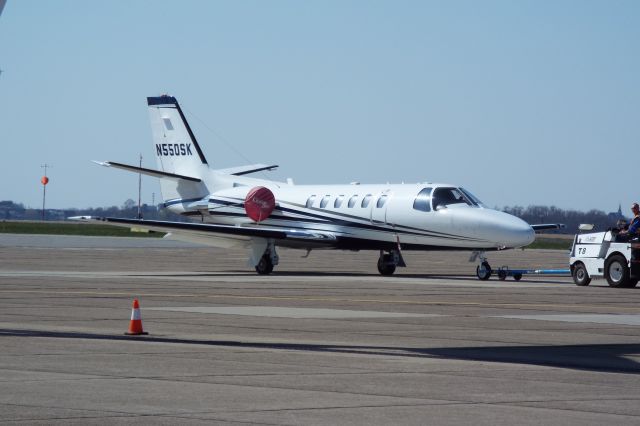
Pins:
x,y
144,171
245,170
543,226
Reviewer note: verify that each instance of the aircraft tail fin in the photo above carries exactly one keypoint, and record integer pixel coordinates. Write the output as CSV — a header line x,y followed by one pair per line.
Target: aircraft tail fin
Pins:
x,y
177,150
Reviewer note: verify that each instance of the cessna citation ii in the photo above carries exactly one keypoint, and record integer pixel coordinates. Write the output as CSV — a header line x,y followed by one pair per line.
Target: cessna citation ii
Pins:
x,y
233,209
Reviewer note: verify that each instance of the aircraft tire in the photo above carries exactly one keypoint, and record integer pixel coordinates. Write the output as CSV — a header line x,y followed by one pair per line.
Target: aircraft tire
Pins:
x,y
616,271
483,271
580,276
265,266
384,267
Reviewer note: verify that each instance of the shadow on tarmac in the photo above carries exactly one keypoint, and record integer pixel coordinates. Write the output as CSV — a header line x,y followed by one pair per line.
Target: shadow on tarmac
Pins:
x,y
610,358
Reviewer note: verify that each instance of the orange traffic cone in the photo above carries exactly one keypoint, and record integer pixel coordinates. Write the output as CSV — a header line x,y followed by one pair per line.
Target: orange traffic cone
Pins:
x,y
135,325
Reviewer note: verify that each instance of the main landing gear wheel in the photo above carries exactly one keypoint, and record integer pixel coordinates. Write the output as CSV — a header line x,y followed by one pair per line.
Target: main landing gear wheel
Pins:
x,y
483,271
386,265
388,262
616,271
580,275
265,266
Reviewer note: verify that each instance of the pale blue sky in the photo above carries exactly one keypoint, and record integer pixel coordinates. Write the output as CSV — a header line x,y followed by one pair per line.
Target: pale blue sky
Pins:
x,y
522,102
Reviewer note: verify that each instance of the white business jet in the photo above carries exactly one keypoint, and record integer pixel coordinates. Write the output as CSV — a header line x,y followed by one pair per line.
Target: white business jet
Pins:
x,y
233,209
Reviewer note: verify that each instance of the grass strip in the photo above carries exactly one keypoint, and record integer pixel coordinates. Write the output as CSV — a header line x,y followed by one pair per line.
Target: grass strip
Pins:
x,y
58,228
551,244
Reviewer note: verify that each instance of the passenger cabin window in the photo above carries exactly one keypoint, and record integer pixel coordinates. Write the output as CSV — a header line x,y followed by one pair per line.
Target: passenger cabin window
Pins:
x,y
338,202
381,201
423,200
310,201
324,201
366,200
352,201
449,196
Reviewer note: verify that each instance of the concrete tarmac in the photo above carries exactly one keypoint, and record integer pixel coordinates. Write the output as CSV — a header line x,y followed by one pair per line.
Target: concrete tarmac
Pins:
x,y
324,340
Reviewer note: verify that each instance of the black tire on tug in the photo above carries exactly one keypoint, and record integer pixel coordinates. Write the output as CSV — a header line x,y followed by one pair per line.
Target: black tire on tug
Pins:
x,y
616,271
580,276
483,271
502,275
517,276
265,266
384,267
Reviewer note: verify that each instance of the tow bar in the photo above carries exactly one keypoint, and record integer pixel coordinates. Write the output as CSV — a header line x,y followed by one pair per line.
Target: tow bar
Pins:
x,y
504,272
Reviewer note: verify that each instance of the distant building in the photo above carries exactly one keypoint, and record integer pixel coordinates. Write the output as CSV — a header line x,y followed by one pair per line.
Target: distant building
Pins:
x,y
615,216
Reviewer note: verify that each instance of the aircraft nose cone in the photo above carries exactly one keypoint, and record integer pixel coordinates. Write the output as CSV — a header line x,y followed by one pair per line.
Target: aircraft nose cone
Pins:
x,y
515,232
505,230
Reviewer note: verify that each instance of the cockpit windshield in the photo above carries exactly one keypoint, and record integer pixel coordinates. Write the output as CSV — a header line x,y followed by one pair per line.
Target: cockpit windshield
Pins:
x,y
444,196
472,197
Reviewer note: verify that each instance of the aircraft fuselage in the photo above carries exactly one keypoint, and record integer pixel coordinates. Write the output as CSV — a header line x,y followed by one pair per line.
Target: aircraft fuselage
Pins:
x,y
370,216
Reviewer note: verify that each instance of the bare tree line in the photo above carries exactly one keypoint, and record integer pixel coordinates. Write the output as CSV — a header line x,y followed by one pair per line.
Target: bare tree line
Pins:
x,y
570,218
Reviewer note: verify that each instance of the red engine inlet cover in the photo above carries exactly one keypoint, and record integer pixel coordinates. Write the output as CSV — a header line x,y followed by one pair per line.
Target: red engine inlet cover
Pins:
x,y
259,203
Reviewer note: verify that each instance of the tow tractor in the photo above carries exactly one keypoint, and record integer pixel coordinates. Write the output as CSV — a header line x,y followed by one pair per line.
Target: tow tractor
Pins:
x,y
601,254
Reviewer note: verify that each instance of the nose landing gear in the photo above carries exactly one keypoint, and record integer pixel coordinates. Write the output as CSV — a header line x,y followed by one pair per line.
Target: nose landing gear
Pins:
x,y
483,270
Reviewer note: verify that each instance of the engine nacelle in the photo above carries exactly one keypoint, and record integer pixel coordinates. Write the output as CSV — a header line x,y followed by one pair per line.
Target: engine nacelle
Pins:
x,y
259,203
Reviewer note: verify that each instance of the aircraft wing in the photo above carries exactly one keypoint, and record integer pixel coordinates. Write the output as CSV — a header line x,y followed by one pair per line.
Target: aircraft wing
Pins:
x,y
200,231
543,226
